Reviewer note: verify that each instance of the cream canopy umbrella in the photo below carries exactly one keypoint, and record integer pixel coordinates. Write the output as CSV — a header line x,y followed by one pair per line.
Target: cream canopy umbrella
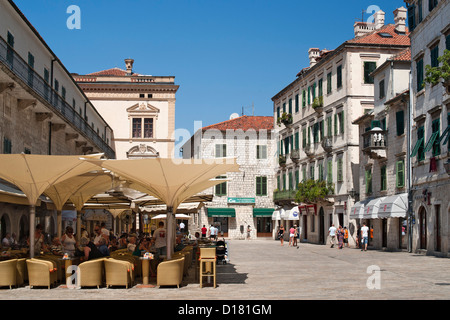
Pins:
x,y
171,180
33,174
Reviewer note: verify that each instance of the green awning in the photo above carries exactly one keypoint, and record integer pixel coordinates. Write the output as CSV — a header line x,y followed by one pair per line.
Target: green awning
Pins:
x,y
416,147
221,212
263,212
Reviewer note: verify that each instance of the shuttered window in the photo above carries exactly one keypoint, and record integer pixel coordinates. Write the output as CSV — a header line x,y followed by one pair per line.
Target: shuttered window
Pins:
x,y
369,67
400,174
261,186
419,74
400,120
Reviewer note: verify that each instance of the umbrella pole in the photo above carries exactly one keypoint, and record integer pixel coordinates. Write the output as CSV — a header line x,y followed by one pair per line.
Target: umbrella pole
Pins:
x,y
32,229
78,226
59,222
170,232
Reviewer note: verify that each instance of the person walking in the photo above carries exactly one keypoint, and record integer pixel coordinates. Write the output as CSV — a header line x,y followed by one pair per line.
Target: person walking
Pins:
x,y
291,236
332,234
340,235
296,236
249,230
364,237
281,234
345,237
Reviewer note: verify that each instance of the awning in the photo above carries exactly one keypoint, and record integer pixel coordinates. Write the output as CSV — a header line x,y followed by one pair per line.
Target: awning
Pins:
x,y
304,209
394,206
221,212
293,214
357,210
263,212
276,215
371,209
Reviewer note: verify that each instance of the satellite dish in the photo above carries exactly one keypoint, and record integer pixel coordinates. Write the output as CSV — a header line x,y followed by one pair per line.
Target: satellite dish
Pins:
x,y
234,116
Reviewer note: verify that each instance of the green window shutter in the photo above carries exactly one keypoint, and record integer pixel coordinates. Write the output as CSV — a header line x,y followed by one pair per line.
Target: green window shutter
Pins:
x,y
383,178
368,181
309,136
291,184
284,107
313,91
330,171
400,174
261,186
447,42
375,124
400,119
284,181
369,67
335,124
436,127
278,183
297,103
320,87
304,173
329,84
297,178
297,142
320,172
311,172
304,99
419,74
339,76
329,127
341,122
340,175
309,95
290,106
434,52
304,138
221,189
278,113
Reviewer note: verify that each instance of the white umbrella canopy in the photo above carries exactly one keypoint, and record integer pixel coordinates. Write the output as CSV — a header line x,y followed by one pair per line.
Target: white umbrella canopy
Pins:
x,y
180,216
171,180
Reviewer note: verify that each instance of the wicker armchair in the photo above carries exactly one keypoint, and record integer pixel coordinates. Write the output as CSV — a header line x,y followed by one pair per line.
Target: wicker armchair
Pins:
x,y
8,271
118,272
41,273
170,272
91,273
22,273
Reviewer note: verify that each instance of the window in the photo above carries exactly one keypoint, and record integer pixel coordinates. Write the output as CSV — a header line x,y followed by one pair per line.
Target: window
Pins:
x,y
297,142
311,172
284,107
313,91
447,42
290,106
278,113
432,4
309,95
321,171
340,173
341,122
63,93
435,126
419,74
368,181
27,151
434,53
304,99
381,89
221,150
297,178
142,128
304,138
297,102
330,171
383,181
369,67
7,146
284,181
221,189
419,148
320,87
10,48
411,17
261,152
261,186
329,126
304,174
329,85
30,69
400,120
339,77
400,173
420,7
291,181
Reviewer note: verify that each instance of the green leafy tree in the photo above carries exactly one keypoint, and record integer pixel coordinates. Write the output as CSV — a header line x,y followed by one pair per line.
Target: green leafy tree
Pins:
x,y
312,191
433,75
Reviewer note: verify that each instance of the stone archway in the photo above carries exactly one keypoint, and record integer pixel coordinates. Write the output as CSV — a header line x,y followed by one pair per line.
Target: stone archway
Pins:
x,y
5,225
422,225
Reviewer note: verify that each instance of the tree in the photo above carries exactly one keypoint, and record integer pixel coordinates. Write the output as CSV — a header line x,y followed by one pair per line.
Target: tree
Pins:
x,y
433,75
312,191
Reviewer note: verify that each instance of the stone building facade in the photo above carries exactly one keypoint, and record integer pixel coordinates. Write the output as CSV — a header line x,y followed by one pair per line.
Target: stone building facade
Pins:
x,y
430,37
42,111
320,142
245,200
139,108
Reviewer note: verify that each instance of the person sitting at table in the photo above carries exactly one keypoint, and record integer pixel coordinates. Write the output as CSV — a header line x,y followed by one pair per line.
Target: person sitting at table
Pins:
x,y
38,242
113,245
91,252
102,247
179,244
56,248
123,241
69,242
131,246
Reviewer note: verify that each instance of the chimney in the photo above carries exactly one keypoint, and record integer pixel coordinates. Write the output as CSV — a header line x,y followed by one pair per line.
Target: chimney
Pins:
x,y
400,20
362,28
314,53
379,19
129,66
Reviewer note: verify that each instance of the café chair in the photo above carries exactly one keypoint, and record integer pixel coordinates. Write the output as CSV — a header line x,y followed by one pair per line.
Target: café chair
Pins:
x,y
118,272
170,272
207,264
22,273
91,273
8,271
41,273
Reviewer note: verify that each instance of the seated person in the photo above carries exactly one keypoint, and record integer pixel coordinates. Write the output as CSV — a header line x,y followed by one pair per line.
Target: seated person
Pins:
x,y
56,247
179,244
102,247
131,246
91,252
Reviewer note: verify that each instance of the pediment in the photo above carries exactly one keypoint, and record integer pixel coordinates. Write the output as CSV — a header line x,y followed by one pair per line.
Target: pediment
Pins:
x,y
142,107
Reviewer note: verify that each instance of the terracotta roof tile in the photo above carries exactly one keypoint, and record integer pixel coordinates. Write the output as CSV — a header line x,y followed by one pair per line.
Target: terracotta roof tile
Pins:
x,y
244,123
404,55
117,72
375,37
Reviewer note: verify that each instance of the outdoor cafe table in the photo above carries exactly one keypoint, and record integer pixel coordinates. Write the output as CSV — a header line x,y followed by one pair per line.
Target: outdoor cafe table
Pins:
x,y
145,269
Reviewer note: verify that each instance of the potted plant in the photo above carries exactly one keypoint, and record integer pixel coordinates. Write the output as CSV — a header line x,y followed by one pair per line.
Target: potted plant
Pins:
x,y
318,104
286,119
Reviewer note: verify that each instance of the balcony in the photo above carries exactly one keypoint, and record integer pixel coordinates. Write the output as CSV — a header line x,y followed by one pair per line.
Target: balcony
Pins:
x,y
327,144
14,62
318,104
309,150
295,155
286,119
374,143
282,161
284,195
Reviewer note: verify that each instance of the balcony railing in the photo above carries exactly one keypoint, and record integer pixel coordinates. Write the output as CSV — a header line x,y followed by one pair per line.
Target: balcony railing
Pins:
x,y
309,150
327,144
284,195
13,61
295,155
374,143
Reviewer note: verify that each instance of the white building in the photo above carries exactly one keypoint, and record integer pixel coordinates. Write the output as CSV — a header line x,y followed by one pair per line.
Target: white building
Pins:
x,y
321,143
429,22
139,108
42,111
246,199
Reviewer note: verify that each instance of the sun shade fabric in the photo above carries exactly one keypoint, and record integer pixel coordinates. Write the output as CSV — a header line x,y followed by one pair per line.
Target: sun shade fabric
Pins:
x,y
221,212
394,206
171,180
293,213
357,210
33,174
263,212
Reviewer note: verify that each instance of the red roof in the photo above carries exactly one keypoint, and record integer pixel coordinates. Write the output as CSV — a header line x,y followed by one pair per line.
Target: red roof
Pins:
x,y
376,37
117,72
244,123
404,55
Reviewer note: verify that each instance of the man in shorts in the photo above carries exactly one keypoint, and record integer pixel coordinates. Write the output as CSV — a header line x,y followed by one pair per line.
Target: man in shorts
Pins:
x,y
364,236
332,234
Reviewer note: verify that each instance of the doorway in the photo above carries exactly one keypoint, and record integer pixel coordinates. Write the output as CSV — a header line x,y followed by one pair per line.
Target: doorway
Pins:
x,y
305,227
422,228
321,226
384,223
437,240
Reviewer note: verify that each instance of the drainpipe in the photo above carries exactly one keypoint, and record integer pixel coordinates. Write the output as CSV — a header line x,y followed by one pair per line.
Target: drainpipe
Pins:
x,y
49,138
408,165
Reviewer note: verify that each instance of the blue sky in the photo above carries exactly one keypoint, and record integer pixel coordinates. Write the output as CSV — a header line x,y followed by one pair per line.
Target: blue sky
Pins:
x,y
224,54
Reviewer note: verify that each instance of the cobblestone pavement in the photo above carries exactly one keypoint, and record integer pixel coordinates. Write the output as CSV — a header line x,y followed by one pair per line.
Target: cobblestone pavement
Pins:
x,y
265,270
